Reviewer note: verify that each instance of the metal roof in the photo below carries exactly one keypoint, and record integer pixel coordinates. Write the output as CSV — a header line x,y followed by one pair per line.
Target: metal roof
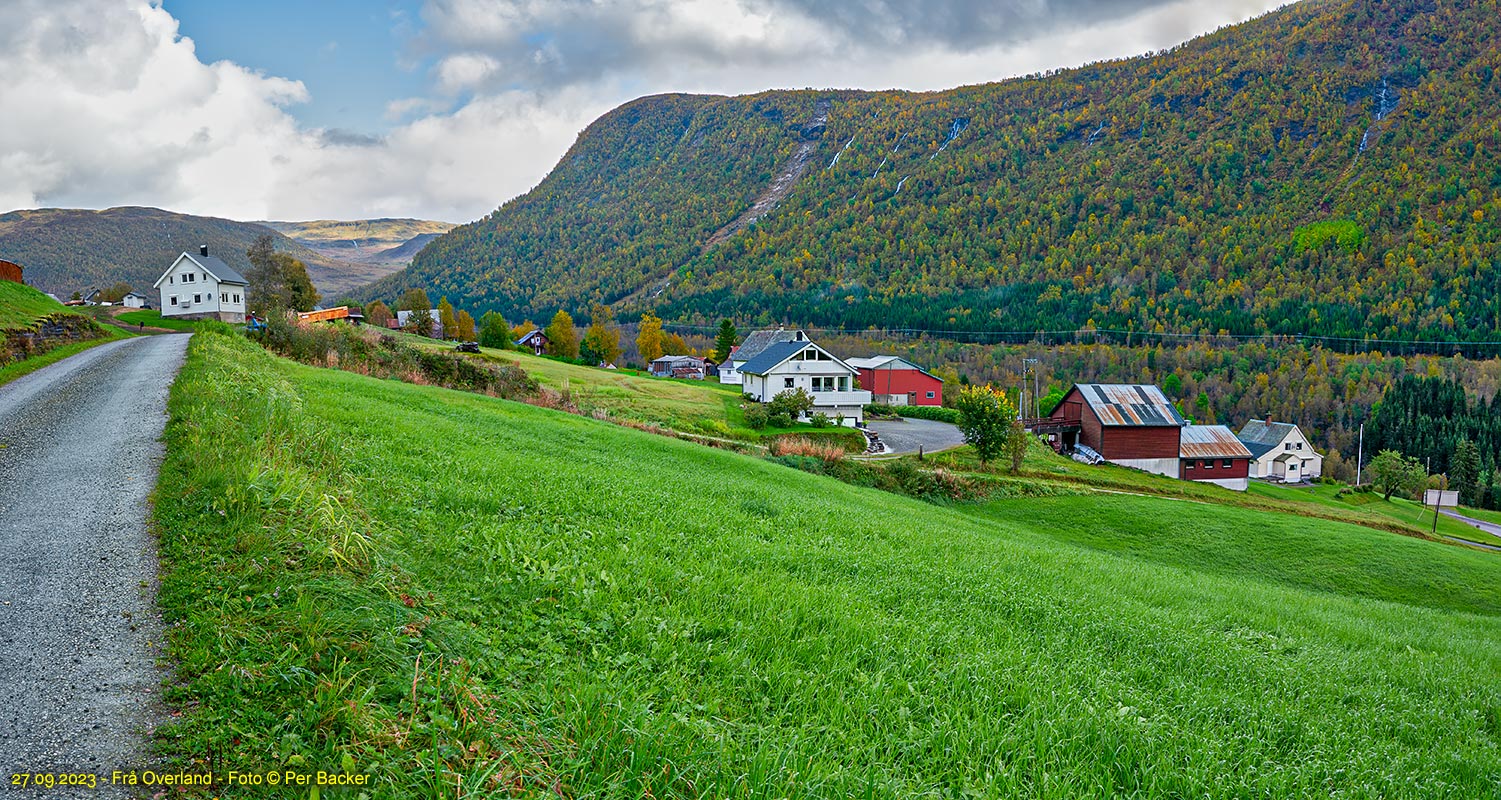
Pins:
x,y
758,341
1130,405
889,362
1210,441
772,356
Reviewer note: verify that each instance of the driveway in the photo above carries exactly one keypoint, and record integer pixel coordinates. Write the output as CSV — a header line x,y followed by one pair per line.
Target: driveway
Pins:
x,y
903,436
79,633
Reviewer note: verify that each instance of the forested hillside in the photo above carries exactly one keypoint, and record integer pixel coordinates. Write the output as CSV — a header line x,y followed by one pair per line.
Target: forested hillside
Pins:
x,y
1328,169
65,250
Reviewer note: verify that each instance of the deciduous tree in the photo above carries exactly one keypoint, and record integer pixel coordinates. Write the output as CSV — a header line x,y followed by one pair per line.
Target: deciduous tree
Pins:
x,y
601,343
562,337
985,417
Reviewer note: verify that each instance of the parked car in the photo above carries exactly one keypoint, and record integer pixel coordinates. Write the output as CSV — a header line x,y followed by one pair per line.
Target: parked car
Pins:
x,y
467,347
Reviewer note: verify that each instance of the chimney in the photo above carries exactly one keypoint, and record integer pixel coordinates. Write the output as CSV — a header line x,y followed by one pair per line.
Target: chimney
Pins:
x,y
203,250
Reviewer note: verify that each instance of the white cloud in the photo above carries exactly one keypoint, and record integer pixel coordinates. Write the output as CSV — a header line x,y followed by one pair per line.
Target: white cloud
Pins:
x,y
106,104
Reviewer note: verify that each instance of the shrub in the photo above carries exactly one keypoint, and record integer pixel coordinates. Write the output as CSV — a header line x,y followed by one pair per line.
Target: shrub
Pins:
x,y
935,413
792,402
821,420
756,417
803,446
780,420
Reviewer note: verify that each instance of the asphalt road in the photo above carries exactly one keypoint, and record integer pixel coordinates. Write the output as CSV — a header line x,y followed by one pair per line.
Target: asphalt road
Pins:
x,y
79,633
1487,527
906,435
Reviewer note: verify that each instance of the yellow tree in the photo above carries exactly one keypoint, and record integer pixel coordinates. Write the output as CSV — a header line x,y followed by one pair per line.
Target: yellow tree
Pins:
x,y
649,340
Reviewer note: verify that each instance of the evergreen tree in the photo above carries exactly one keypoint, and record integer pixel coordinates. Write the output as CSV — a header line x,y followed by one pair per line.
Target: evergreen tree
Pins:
x,y
562,337
726,341
1464,471
420,322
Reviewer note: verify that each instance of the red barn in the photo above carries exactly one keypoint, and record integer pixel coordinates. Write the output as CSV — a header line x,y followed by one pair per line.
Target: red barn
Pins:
x,y
1134,426
10,271
896,381
1213,454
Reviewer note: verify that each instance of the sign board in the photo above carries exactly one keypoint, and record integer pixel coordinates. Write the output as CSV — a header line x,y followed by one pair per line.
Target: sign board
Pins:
x,y
1441,499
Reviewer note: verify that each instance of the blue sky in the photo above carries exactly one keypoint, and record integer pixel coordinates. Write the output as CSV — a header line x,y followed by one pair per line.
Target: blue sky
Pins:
x,y
354,56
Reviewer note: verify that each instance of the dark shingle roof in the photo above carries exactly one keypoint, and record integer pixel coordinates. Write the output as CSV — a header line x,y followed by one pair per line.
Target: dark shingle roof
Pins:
x,y
772,356
1267,433
1130,405
224,272
758,341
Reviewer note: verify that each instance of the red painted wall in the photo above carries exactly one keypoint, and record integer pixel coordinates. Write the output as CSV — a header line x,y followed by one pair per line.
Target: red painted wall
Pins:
x,y
1128,442
1239,468
10,271
903,381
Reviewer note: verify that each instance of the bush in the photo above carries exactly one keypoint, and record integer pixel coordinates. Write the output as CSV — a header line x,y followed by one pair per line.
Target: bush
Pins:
x,y
935,413
756,417
780,420
792,402
821,420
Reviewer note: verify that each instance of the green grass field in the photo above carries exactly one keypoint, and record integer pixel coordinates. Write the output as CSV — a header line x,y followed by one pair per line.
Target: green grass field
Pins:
x,y
467,597
152,318
707,408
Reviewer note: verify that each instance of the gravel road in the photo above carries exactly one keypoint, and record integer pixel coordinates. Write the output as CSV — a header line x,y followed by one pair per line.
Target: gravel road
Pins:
x,y
79,632
906,435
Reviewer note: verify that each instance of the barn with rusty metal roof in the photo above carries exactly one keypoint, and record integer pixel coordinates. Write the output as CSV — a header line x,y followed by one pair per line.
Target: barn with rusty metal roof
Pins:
x,y
1133,425
1213,454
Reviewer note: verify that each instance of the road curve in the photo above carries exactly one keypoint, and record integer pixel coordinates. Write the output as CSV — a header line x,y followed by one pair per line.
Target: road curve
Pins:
x,y
79,632
1480,525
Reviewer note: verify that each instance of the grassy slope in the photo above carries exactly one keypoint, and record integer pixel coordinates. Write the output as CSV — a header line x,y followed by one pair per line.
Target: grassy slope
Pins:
x,y
20,307
702,407
442,585
154,319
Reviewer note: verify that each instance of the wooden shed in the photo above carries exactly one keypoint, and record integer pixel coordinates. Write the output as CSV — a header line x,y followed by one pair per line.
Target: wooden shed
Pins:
x,y
10,271
1130,425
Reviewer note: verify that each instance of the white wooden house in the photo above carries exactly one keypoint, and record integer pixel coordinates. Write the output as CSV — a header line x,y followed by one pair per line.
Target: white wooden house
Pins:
x,y
757,341
134,300
1280,452
202,287
801,364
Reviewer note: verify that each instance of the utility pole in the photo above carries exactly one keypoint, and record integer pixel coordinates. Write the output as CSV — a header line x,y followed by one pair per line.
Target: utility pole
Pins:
x,y
1031,363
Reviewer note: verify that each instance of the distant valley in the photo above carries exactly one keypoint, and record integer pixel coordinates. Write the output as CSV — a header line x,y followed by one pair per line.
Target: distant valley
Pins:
x,y
67,250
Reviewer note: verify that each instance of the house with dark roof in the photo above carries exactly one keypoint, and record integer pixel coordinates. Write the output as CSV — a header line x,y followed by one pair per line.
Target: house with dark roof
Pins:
x,y
755,342
1212,454
135,300
800,364
1130,425
895,381
202,286
534,339
1280,452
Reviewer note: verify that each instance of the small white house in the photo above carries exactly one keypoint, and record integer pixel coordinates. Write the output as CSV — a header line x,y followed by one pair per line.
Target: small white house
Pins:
x,y
1280,452
404,317
133,300
801,364
202,287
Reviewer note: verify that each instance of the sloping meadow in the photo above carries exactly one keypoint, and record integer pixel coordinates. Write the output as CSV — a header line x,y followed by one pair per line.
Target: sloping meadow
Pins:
x,y
461,596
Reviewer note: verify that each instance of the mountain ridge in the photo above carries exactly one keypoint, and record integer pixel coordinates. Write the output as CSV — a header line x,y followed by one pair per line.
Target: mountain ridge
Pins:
x,y
1322,169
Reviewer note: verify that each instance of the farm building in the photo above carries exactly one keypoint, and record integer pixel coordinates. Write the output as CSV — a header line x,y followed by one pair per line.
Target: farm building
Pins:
x,y
757,341
690,367
535,339
202,286
134,300
1130,425
1280,452
1212,454
801,364
336,314
10,271
896,381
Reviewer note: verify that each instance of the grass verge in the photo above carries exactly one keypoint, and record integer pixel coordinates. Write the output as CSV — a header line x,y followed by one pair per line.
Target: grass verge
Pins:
x,y
15,370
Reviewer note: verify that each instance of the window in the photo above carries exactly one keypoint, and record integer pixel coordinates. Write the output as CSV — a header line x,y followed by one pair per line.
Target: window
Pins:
x,y
173,299
787,382
1227,463
824,384
223,298
237,298
1300,445
171,279
1209,464
844,383
931,395
198,298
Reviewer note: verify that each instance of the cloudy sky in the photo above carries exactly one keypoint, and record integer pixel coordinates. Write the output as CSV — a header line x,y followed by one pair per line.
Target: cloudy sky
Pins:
x,y
443,109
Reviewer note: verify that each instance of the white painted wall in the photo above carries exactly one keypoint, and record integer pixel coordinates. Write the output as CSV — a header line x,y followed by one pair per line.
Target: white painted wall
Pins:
x,y
1156,466
190,289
